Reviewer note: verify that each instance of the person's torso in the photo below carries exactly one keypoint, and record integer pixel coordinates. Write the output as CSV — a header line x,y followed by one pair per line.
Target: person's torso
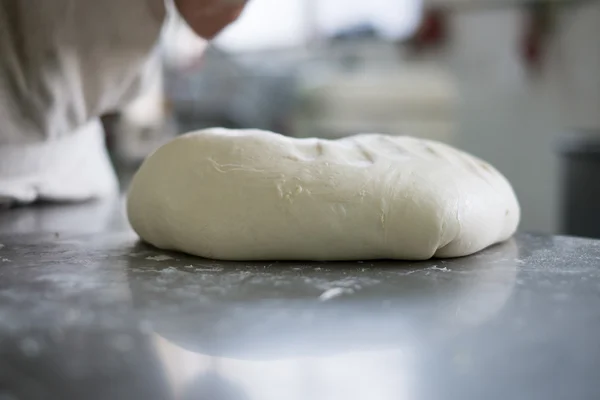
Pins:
x,y
64,62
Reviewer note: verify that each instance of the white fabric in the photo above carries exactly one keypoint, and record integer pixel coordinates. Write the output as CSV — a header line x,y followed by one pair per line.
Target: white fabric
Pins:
x,y
63,63
74,167
254,195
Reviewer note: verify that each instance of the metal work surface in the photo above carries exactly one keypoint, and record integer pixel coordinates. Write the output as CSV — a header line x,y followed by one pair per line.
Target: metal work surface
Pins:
x,y
87,312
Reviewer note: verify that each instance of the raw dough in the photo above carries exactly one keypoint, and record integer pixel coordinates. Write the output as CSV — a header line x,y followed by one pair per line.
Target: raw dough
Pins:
x,y
256,195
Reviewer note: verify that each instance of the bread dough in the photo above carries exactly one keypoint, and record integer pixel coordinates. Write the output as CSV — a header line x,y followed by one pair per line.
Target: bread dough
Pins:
x,y
256,195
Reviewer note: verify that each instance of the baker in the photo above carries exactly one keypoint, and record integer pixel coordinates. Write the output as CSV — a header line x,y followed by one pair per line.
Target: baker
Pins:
x,y
63,64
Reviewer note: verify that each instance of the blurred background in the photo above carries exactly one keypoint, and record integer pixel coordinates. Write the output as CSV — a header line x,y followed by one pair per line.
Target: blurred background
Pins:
x,y
514,82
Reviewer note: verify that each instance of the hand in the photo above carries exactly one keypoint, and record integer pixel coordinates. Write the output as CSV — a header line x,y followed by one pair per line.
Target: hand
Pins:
x,y
209,17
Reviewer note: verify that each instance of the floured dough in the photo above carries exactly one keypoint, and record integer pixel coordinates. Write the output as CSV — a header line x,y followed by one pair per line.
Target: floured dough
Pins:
x,y
255,195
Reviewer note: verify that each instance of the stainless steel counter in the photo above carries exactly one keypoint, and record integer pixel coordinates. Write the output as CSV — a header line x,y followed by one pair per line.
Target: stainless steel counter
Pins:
x,y
87,312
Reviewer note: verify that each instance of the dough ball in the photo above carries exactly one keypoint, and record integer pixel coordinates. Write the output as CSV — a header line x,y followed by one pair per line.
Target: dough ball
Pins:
x,y
256,195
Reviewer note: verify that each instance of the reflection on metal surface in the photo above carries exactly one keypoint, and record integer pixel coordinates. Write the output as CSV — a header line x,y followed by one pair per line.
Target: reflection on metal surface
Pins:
x,y
263,331
360,375
491,287
99,216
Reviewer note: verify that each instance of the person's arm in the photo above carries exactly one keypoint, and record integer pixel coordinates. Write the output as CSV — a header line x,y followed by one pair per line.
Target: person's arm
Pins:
x,y
64,62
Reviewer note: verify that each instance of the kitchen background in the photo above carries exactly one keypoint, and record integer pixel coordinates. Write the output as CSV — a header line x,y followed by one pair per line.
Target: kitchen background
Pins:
x,y
514,82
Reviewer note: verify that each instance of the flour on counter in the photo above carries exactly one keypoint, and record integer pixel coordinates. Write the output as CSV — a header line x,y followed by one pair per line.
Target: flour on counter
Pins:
x,y
162,257
209,269
436,268
334,292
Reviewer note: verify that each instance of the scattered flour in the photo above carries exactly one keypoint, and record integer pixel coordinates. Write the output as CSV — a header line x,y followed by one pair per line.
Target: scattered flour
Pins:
x,y
162,257
436,268
209,269
334,292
